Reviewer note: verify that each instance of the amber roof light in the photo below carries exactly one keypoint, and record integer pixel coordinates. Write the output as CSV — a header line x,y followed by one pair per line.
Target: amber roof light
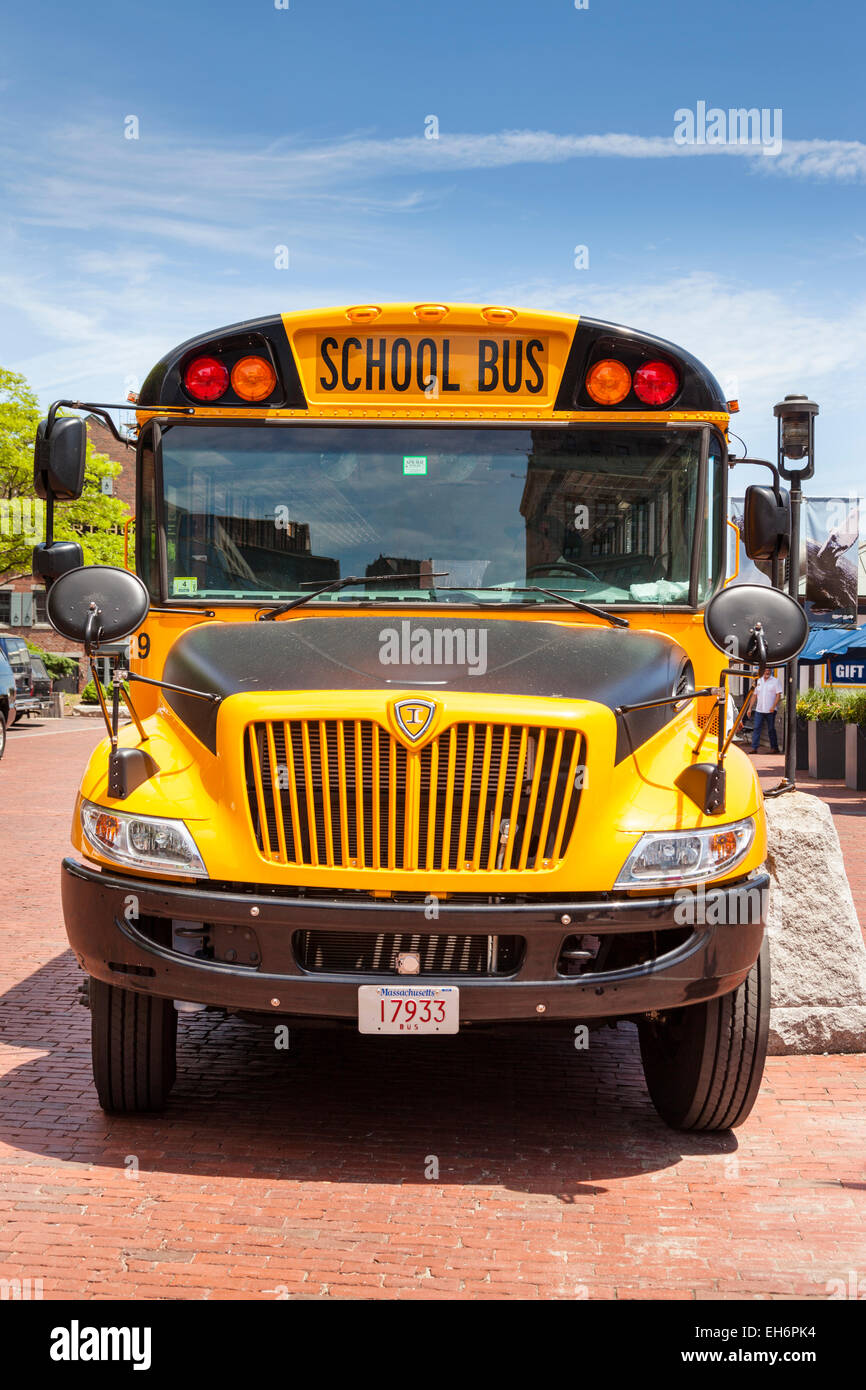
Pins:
x,y
608,382
253,378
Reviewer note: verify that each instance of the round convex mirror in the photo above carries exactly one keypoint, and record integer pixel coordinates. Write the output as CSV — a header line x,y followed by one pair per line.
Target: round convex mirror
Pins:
x,y
99,601
731,616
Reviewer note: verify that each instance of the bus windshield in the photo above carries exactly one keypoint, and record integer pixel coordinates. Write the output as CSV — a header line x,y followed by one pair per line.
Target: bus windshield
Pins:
x,y
610,514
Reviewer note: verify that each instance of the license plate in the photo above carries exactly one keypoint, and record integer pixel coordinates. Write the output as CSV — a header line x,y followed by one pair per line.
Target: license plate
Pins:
x,y
408,1009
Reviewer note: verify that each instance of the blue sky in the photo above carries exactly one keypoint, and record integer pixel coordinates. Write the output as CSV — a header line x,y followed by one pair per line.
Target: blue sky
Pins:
x,y
304,127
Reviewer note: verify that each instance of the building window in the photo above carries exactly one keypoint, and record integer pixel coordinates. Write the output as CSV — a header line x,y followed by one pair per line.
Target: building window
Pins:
x,y
40,615
5,606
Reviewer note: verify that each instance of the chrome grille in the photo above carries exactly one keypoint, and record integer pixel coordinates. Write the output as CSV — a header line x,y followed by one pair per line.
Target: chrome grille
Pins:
x,y
347,793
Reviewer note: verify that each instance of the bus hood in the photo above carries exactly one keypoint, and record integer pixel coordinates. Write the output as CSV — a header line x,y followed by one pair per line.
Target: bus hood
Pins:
x,y
368,651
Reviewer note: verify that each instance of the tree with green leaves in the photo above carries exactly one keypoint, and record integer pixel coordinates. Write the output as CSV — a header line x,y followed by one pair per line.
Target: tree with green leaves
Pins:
x,y
95,520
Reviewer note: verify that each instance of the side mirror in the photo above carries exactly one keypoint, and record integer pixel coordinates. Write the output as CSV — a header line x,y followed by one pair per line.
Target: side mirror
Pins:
x,y
766,523
97,604
58,557
757,624
59,457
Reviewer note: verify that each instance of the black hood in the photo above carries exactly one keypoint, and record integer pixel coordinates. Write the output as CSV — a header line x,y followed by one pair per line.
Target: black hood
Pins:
x,y
367,651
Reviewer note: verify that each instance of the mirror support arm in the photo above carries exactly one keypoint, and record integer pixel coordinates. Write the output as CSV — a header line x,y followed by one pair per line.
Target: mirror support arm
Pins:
x,y
181,689
118,678
100,410
668,700
777,491
762,463
110,720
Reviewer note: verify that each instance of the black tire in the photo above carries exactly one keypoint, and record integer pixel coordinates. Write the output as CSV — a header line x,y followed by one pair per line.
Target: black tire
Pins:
x,y
703,1064
2,733
134,1045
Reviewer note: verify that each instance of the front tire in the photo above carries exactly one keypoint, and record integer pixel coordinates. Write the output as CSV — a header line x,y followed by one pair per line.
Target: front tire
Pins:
x,y
134,1047
2,733
703,1064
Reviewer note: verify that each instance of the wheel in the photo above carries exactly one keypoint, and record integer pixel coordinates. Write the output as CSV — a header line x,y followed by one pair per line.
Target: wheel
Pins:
x,y
134,1044
2,733
703,1064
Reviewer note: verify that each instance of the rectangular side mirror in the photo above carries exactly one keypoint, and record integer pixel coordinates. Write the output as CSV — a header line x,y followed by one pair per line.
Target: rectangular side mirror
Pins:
x,y
59,458
766,523
50,561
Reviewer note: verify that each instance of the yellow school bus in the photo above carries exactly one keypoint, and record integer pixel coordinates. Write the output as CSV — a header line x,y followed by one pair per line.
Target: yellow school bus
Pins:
x,y
428,716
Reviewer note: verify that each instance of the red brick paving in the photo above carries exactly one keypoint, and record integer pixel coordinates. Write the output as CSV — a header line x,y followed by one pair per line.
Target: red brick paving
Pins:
x,y
302,1174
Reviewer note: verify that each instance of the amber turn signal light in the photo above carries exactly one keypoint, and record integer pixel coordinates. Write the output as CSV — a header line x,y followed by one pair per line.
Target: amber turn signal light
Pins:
x,y
608,382
253,378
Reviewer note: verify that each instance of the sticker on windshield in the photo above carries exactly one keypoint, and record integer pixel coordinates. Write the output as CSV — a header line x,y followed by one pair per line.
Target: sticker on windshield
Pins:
x,y
184,586
414,464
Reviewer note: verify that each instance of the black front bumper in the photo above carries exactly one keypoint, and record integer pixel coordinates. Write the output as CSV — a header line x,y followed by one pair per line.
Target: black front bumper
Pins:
x,y
106,915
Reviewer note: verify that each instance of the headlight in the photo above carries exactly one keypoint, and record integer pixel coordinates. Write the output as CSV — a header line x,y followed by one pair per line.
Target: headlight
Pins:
x,y
142,841
686,856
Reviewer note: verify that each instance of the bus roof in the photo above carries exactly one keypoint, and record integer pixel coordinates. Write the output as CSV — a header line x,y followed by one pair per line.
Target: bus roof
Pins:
x,y
445,362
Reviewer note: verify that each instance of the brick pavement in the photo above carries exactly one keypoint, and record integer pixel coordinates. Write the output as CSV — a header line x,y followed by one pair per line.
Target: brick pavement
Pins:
x,y
302,1174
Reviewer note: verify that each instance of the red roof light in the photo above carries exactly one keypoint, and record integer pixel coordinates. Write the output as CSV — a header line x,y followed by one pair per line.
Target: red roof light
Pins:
x,y
206,379
655,383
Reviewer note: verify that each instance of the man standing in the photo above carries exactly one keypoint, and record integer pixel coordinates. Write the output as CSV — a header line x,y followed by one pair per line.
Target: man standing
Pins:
x,y
765,696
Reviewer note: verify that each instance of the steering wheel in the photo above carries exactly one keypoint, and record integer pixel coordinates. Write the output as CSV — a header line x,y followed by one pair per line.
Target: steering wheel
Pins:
x,y
563,566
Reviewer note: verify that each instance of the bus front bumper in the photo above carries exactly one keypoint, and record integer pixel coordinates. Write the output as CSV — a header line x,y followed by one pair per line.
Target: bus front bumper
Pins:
x,y
120,928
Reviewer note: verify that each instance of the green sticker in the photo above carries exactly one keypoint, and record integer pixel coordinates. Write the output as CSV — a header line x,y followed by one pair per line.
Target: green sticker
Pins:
x,y
414,464
184,586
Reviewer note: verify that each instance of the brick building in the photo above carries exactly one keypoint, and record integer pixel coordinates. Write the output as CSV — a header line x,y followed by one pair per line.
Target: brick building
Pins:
x,y
22,600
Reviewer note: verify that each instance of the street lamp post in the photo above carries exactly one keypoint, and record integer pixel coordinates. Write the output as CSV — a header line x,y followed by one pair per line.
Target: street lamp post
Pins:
x,y
796,442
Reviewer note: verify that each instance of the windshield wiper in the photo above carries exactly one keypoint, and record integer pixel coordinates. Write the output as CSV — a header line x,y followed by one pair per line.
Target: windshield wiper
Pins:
x,y
344,584
614,619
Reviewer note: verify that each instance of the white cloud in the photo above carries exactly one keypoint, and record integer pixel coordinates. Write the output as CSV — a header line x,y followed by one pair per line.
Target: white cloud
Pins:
x,y
202,194
152,241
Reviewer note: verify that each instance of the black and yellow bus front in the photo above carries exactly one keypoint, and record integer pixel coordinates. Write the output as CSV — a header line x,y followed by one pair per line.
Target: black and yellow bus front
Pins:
x,y
393,783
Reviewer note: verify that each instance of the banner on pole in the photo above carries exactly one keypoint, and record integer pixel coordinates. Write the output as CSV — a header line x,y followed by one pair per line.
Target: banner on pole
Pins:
x,y
830,534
